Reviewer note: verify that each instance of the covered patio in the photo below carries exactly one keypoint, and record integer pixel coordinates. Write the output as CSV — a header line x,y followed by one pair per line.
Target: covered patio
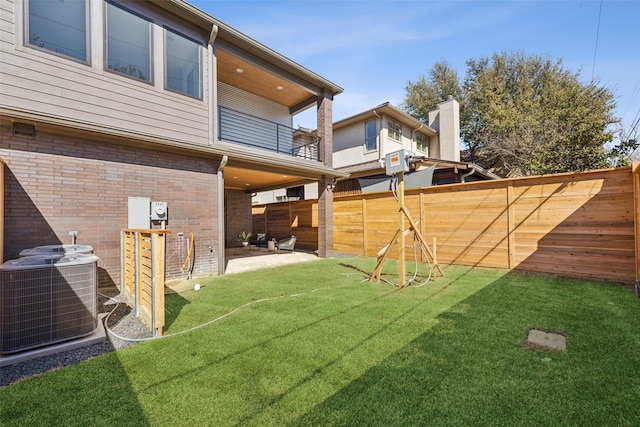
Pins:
x,y
252,258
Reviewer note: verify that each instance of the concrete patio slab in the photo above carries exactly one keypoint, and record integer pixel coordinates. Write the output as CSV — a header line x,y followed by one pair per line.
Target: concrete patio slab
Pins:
x,y
246,259
264,259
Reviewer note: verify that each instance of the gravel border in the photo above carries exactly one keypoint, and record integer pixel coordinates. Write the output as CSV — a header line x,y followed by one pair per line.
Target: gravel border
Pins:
x,y
122,321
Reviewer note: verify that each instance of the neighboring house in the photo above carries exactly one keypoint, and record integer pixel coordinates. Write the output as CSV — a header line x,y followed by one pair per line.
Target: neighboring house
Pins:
x,y
106,100
361,142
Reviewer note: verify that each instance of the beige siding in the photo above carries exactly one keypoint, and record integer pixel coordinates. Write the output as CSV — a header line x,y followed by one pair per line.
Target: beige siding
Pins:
x,y
389,145
41,83
348,143
237,99
7,26
348,146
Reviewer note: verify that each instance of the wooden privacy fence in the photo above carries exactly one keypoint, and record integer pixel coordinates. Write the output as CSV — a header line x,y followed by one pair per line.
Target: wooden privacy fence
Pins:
x,y
143,264
576,224
584,225
299,218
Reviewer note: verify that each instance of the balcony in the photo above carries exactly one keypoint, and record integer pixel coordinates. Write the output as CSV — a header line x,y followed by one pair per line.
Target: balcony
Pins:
x,y
241,128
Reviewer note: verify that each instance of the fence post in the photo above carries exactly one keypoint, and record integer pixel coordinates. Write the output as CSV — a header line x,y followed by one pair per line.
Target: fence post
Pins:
x,y
136,273
635,176
158,266
153,286
122,257
511,232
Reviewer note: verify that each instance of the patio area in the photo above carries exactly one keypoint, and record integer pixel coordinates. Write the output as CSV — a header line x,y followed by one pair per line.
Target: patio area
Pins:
x,y
252,258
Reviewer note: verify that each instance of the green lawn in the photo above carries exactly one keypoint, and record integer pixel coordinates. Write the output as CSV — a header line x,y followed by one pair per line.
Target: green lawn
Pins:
x,y
343,351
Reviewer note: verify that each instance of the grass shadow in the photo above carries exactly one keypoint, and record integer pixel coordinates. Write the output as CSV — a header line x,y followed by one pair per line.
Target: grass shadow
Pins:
x,y
77,391
472,369
318,346
173,305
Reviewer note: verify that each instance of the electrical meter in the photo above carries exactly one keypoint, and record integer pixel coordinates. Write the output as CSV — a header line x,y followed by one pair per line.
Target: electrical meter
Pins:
x,y
159,211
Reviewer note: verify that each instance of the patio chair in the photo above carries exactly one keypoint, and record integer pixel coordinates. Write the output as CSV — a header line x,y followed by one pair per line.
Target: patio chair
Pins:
x,y
286,244
260,239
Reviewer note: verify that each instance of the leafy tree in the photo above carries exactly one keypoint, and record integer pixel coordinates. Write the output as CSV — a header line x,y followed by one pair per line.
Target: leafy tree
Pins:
x,y
628,148
527,115
426,93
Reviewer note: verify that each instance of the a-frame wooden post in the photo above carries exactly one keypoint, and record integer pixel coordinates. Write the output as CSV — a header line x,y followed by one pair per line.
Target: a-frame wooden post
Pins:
x,y
399,238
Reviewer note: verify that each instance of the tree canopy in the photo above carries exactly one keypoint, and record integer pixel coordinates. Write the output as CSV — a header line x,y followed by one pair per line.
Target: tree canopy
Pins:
x,y
423,95
522,115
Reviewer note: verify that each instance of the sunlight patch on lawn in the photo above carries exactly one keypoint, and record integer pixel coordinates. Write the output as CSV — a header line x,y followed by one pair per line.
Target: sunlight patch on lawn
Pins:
x,y
273,361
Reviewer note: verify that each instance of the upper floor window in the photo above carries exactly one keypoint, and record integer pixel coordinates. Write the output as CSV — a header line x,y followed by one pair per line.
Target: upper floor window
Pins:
x,y
59,26
182,64
128,43
395,130
370,136
421,142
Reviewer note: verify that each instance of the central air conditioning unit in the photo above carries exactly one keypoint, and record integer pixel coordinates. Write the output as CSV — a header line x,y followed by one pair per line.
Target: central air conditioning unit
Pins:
x,y
46,299
57,250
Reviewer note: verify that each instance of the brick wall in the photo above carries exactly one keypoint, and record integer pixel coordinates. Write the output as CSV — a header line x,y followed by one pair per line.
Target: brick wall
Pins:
x,y
238,215
325,197
56,183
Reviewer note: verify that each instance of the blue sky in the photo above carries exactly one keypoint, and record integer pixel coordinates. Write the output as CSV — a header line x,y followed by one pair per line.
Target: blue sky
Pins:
x,y
373,48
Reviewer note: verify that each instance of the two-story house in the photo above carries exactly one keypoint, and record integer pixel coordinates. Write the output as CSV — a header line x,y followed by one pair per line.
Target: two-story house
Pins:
x,y
104,101
361,143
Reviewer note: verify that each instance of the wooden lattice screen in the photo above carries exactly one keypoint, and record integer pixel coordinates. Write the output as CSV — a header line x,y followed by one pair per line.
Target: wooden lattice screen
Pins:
x,y
143,266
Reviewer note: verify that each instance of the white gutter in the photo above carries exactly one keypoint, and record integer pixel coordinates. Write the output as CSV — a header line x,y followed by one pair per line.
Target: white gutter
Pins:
x,y
379,136
464,177
483,171
413,135
213,79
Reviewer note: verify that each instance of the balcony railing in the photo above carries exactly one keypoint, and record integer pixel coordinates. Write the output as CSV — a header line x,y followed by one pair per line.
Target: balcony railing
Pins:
x,y
245,129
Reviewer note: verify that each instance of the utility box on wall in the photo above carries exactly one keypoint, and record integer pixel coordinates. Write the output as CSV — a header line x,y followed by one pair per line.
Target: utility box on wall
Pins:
x,y
139,213
397,161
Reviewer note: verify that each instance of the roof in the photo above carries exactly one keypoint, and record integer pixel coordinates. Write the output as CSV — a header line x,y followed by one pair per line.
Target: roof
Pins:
x,y
240,41
375,168
391,111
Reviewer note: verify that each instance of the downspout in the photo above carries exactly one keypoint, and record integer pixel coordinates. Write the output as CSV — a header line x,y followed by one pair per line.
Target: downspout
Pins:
x,y
380,150
467,175
413,135
221,225
212,128
213,79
